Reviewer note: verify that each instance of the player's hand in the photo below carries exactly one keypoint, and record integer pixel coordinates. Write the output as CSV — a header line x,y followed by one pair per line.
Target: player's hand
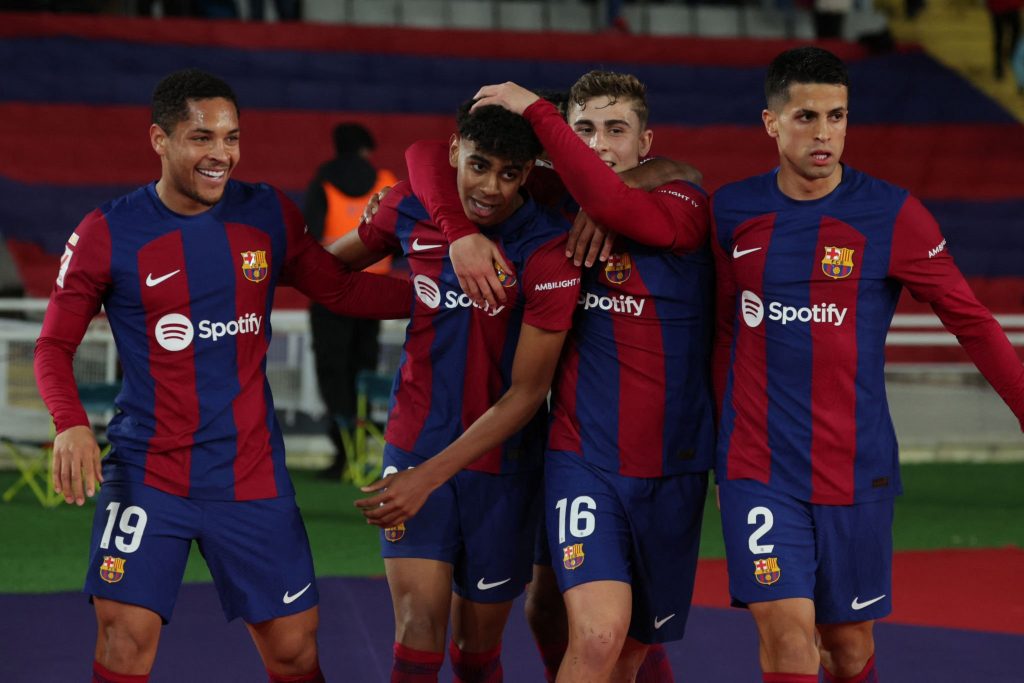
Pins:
x,y
513,97
473,259
398,497
588,241
370,210
76,461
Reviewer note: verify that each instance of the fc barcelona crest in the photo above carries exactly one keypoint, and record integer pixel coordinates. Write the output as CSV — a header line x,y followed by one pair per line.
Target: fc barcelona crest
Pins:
x,y
767,571
572,556
506,279
112,569
618,269
838,262
254,265
395,533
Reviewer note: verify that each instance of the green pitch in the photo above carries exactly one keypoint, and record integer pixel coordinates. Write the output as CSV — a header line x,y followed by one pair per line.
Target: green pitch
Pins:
x,y
944,506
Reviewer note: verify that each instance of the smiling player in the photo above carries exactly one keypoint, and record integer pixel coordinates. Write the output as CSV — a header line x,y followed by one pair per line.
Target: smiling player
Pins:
x,y
186,269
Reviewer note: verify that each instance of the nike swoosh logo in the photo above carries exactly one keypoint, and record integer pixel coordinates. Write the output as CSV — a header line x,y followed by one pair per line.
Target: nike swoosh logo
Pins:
x,y
861,605
289,599
736,252
484,586
658,623
416,246
154,281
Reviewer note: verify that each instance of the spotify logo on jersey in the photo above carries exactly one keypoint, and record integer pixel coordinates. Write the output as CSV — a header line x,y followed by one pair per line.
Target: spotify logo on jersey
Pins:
x,y
752,308
427,290
174,332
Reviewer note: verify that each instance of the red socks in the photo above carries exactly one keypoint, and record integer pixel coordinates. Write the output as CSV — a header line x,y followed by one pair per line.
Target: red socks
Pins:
x,y
415,666
101,674
476,667
789,678
551,655
314,676
655,668
868,675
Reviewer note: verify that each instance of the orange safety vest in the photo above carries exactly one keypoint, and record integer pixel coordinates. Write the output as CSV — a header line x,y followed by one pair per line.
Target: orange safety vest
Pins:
x,y
344,212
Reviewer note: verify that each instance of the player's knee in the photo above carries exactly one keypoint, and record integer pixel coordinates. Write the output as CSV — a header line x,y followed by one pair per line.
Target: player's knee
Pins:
x,y
293,652
599,644
791,648
125,648
415,626
846,652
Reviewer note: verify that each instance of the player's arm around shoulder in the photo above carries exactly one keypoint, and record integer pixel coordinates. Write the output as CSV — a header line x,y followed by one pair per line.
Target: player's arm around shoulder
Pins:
x,y
323,278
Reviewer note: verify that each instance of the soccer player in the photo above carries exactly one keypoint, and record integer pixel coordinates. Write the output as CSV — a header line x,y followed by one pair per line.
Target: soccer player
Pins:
x,y
811,258
632,435
186,268
465,434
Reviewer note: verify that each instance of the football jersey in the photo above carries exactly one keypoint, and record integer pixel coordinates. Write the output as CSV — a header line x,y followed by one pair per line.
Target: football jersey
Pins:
x,y
633,390
806,293
457,357
188,299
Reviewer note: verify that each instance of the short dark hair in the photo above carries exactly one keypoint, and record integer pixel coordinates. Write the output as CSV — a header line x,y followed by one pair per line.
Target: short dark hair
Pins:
x,y
802,65
559,98
173,92
615,87
498,132
351,138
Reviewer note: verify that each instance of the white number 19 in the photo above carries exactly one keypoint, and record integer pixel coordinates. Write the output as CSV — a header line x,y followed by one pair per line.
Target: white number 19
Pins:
x,y
133,524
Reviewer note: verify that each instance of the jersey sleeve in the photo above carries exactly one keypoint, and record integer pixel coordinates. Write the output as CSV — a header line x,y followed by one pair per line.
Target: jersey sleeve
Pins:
x,y
725,315
433,180
378,234
674,216
314,272
921,261
551,285
81,284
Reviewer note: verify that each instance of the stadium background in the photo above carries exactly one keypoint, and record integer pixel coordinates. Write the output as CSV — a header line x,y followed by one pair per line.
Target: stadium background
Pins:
x,y
73,114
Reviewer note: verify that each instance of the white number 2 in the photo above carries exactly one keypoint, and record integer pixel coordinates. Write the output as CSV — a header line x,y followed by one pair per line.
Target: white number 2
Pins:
x,y
133,524
760,531
581,521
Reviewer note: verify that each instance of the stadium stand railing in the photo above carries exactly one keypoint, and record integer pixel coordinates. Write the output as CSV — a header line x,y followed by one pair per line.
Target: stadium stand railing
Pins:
x,y
724,18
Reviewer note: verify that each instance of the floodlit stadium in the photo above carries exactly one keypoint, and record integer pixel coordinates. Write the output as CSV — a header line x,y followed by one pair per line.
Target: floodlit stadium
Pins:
x,y
926,113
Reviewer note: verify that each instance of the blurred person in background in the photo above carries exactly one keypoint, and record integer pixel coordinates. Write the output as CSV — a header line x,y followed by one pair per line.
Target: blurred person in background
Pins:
x,y
1005,31
343,346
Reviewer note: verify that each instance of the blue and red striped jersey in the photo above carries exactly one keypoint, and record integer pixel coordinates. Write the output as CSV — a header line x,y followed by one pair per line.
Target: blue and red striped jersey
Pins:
x,y
633,391
806,293
457,358
188,299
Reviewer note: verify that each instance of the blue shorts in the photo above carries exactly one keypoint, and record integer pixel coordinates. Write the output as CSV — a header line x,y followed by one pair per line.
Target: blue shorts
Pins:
x,y
603,526
839,556
483,524
257,551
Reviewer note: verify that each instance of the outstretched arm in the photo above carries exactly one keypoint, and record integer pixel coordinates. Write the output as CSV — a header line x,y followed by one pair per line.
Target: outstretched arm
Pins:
x,y
921,261
400,496
314,272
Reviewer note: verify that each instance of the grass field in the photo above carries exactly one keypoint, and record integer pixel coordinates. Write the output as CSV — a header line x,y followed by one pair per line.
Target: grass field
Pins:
x,y
944,506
